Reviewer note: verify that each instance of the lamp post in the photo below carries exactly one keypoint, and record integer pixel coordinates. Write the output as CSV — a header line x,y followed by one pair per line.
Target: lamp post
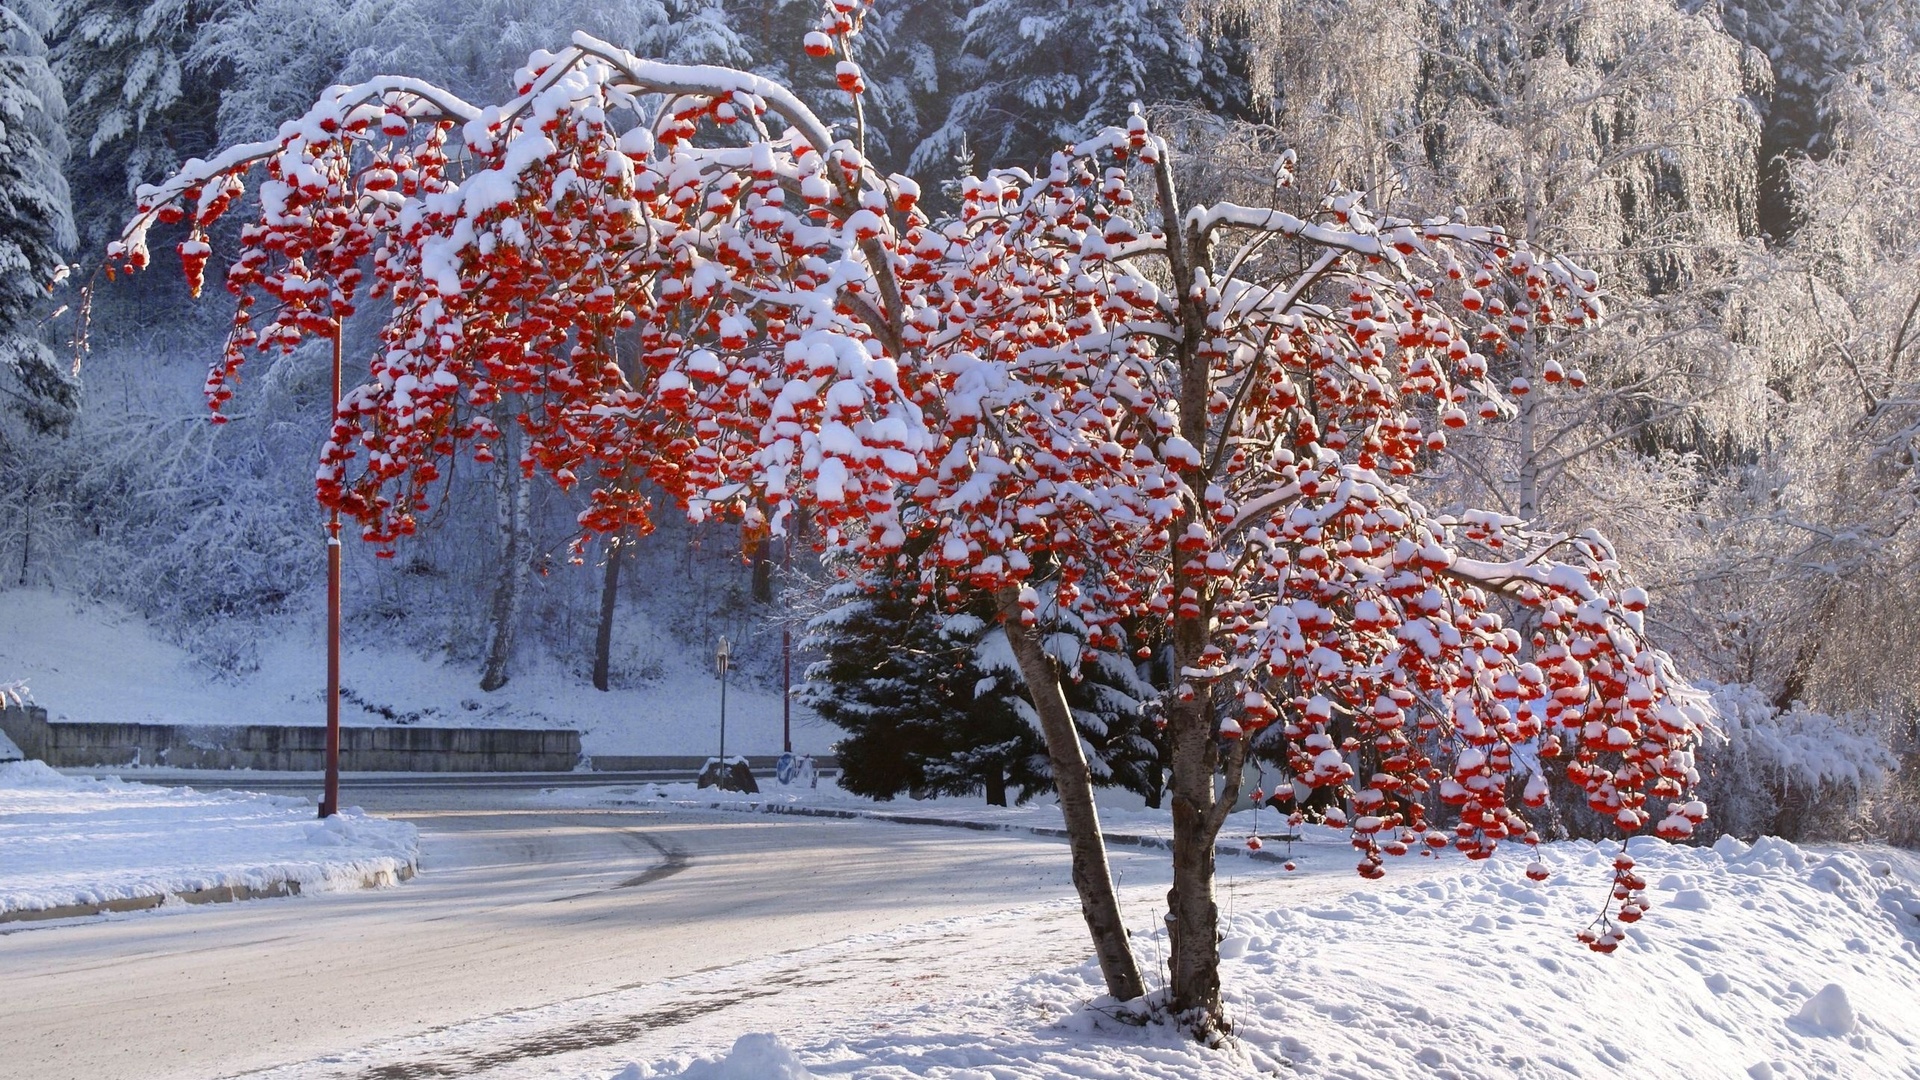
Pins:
x,y
330,798
721,658
786,650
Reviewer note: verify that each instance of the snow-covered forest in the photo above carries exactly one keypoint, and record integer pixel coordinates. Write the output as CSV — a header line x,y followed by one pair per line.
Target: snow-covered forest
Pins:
x,y
1744,179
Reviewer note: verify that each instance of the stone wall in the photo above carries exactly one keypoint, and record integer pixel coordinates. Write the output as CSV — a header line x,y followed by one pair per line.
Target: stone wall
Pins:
x,y
291,749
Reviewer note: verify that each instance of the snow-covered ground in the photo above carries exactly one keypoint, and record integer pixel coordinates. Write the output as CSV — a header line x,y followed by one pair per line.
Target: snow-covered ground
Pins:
x,y
1764,962
77,840
82,656
1757,961
1761,961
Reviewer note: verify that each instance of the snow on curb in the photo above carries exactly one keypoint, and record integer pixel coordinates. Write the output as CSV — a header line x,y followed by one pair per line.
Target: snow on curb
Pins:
x,y
72,846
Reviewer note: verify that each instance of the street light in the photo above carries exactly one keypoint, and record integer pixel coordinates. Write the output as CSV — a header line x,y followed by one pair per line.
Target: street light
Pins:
x,y
721,659
786,648
330,798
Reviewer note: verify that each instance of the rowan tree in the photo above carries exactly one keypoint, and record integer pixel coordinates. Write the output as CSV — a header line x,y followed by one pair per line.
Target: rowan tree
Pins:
x,y
1077,398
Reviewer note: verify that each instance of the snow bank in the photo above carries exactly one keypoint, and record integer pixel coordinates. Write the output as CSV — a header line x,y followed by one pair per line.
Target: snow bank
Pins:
x,y
71,840
757,1056
1757,961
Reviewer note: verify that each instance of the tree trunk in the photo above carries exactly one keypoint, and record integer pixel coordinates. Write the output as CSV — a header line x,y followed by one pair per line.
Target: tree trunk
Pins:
x,y
1074,783
996,785
1193,917
1528,507
26,531
1193,914
762,557
504,612
609,592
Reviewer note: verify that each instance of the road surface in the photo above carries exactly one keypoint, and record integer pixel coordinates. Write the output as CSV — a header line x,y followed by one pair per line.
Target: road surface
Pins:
x,y
606,920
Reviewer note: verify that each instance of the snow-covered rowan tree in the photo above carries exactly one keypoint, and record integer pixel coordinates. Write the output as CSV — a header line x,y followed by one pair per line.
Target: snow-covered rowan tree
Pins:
x,y
1228,457
36,224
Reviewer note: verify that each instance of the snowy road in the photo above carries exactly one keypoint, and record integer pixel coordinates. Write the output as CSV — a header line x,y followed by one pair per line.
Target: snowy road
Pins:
x,y
517,907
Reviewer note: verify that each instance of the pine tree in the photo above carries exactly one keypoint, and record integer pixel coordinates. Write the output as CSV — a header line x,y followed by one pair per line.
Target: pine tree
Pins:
x,y
1035,74
36,221
1813,47
136,108
934,703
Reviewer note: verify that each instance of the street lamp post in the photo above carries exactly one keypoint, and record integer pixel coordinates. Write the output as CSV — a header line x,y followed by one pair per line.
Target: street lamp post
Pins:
x,y
786,650
330,799
721,658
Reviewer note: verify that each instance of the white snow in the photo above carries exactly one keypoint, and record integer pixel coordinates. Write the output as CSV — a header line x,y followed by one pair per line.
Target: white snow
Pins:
x,y
70,840
1765,960
1466,975
755,1056
1828,1012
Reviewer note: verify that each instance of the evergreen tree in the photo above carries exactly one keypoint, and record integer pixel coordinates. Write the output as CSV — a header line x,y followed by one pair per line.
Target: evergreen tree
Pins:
x,y
934,704
36,221
1036,74
136,108
1814,47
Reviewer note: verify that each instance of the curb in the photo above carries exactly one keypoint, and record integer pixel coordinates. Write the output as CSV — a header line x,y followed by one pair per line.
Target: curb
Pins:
x,y
219,894
1124,839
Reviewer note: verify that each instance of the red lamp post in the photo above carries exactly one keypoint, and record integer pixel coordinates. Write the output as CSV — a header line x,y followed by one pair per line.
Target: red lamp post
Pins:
x,y
330,799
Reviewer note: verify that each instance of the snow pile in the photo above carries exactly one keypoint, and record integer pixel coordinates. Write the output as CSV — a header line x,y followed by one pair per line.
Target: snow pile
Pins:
x,y
757,1056
69,840
1765,961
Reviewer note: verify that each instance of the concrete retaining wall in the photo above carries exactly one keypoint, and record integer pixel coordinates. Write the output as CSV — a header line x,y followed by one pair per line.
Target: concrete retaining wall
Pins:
x,y
760,763
293,749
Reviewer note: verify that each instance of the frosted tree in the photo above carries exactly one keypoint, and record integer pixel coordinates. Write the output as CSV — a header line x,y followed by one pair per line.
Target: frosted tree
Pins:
x,y
1035,74
1814,47
137,109
36,224
1808,539
1626,140
723,297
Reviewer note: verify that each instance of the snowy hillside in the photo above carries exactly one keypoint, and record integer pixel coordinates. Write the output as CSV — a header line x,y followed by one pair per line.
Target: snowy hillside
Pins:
x,y
96,663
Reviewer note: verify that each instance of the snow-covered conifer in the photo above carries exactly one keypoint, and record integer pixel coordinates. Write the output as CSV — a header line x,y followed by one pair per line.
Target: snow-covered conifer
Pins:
x,y
36,222
137,109
934,701
1035,74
